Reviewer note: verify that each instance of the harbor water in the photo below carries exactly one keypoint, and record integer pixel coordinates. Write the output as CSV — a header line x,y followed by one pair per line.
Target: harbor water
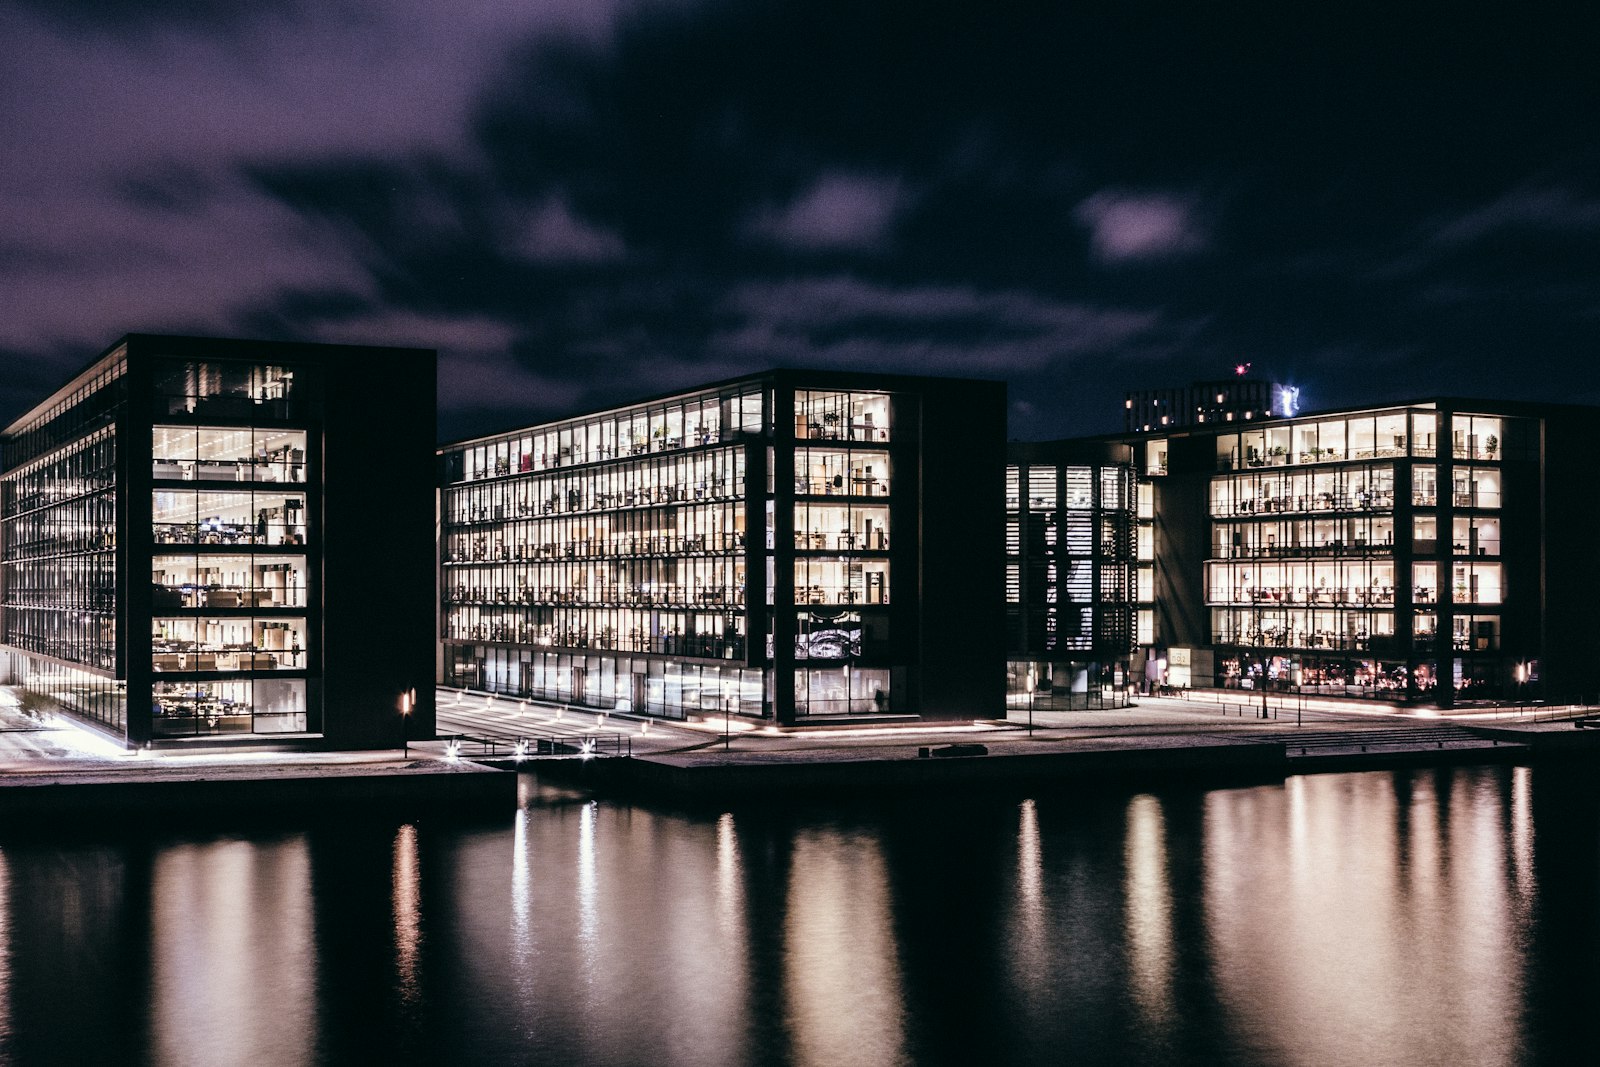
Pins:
x,y
1437,916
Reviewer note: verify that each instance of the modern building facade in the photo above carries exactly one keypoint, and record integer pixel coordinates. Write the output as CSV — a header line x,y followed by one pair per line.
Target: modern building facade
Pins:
x,y
1237,399
203,538
1425,552
792,547
1071,536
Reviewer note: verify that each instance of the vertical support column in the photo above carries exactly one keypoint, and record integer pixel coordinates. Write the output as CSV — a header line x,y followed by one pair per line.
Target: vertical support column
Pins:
x,y
907,581
755,550
315,502
135,544
783,598
1404,555
1444,644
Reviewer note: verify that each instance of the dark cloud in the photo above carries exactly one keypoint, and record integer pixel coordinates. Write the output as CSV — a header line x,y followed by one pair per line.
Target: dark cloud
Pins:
x,y
587,202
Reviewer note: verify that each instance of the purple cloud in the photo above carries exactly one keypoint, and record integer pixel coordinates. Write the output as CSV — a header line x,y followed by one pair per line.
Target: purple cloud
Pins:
x,y
838,210
1125,227
840,320
554,234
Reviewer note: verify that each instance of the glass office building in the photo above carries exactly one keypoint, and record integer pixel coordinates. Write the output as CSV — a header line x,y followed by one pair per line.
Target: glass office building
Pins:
x,y
1396,553
1070,576
167,560
761,547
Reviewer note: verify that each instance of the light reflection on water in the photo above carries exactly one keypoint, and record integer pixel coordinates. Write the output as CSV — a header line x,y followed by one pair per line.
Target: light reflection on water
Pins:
x,y
844,1004
1414,917
407,913
232,954
5,953
1387,937
1148,907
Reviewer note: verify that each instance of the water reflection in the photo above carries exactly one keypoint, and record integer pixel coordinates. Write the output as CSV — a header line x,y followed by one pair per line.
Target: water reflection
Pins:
x,y
522,888
1385,948
844,1001
407,912
588,902
1030,908
730,896
1433,917
5,958
1522,837
1149,906
232,978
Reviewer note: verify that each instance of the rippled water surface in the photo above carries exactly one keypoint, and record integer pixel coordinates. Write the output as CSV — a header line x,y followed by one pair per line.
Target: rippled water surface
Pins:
x,y
1417,917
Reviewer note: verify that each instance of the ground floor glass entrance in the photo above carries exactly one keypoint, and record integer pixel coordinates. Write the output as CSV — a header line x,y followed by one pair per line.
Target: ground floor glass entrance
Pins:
x,y
643,685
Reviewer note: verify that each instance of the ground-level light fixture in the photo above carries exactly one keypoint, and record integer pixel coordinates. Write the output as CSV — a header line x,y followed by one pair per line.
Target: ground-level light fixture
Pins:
x,y
408,701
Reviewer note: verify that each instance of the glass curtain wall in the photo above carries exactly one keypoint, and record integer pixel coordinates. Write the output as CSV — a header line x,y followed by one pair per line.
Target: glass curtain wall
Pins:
x,y
231,582
619,533
1302,583
58,505
1304,545
841,538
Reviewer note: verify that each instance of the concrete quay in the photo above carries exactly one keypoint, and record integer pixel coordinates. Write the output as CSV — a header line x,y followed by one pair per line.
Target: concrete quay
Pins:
x,y
51,768
1157,742
52,772
139,793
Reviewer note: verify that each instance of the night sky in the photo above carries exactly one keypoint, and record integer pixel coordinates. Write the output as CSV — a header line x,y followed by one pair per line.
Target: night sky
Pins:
x,y
579,202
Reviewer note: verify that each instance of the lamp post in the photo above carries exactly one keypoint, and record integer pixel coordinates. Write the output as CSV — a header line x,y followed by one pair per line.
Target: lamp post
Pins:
x,y
727,712
1031,691
407,700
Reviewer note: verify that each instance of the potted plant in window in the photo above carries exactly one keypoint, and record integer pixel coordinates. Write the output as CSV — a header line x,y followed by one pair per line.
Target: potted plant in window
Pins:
x,y
1491,445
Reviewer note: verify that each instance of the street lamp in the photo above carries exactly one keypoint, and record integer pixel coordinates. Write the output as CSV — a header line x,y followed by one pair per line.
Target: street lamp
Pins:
x,y
408,700
1031,690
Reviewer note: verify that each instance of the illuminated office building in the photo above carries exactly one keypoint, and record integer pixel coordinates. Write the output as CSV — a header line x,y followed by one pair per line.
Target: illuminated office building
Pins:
x,y
1428,552
209,538
793,547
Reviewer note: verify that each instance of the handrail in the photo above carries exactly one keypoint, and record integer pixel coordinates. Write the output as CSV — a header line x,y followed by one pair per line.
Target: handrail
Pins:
x,y
527,746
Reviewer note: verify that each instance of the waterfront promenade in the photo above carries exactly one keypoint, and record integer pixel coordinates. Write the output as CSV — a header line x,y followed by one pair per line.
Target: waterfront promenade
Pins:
x,y
1159,739
53,765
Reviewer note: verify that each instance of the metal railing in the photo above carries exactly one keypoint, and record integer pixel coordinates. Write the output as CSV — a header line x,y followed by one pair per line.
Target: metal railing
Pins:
x,y
589,745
